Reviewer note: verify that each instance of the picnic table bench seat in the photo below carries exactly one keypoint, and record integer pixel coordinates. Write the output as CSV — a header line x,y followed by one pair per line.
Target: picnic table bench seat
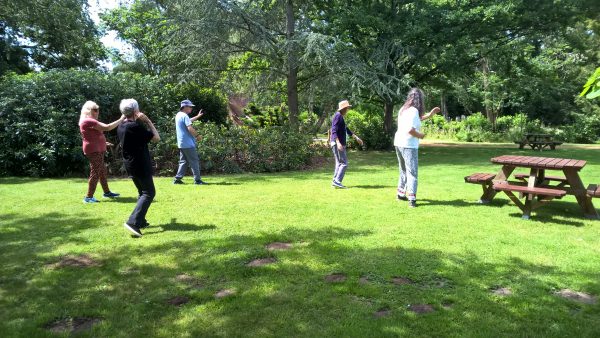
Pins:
x,y
549,178
593,190
479,178
529,190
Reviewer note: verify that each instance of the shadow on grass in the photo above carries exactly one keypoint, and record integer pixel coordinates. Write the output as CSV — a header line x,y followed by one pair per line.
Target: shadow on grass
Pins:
x,y
122,200
372,186
223,183
291,296
175,226
20,180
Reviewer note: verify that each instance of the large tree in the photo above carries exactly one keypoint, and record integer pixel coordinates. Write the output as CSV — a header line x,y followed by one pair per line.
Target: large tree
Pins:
x,y
47,34
386,46
272,35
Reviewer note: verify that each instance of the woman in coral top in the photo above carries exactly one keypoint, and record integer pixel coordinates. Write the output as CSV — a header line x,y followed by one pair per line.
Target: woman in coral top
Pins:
x,y
94,148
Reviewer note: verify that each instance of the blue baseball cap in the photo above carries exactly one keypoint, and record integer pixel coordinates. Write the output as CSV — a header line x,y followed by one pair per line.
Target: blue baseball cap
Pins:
x,y
187,103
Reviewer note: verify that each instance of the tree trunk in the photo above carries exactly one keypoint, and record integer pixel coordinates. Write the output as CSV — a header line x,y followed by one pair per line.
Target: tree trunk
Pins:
x,y
388,117
292,76
444,106
490,112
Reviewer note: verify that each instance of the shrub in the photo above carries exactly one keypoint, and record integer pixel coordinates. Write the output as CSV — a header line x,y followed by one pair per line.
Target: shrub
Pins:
x,y
39,113
246,149
585,129
369,127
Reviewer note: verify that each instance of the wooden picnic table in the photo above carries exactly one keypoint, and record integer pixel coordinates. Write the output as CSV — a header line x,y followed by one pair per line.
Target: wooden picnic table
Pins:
x,y
538,141
536,187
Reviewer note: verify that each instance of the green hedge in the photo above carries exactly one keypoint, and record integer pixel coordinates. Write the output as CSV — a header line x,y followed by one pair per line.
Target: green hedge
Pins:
x,y
39,135
476,128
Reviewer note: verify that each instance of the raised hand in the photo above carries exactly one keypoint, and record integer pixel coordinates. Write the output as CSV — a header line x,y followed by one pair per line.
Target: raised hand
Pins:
x,y
142,117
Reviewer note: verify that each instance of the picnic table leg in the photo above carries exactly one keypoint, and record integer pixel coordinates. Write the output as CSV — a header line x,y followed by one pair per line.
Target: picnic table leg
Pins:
x,y
585,202
488,192
527,207
534,175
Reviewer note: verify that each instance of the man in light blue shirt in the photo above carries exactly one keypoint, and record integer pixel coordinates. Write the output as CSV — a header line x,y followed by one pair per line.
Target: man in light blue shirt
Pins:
x,y
186,142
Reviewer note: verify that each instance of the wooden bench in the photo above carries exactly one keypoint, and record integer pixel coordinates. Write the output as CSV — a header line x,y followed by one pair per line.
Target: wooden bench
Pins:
x,y
593,190
559,179
530,191
544,195
539,145
479,178
485,180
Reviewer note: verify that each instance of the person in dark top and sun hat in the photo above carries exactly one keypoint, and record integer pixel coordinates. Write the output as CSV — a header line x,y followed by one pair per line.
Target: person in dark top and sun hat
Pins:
x,y
338,143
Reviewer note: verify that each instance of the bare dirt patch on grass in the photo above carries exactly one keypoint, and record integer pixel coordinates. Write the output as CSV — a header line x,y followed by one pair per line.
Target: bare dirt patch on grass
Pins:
x,y
336,278
421,308
364,280
500,291
278,246
178,300
402,281
580,297
191,281
225,293
72,325
384,312
80,261
262,262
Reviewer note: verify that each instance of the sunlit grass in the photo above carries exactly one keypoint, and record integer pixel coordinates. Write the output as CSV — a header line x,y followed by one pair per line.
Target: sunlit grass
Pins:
x,y
454,251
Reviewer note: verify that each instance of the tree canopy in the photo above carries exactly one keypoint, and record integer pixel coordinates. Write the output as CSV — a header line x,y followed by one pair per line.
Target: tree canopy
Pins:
x,y
47,34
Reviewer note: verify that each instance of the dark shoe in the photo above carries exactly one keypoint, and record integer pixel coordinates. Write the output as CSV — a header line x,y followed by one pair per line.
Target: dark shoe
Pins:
x,y
401,197
200,182
146,224
133,229
177,181
111,194
412,204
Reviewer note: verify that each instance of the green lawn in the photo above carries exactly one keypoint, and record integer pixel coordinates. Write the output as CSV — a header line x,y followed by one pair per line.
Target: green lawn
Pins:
x,y
453,250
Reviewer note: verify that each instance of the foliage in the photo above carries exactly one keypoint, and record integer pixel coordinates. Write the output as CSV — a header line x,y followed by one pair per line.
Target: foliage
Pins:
x,y
144,26
39,115
583,129
477,128
368,126
243,149
47,34
591,89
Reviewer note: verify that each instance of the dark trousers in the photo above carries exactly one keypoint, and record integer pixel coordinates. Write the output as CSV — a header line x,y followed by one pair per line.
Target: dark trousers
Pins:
x,y
146,192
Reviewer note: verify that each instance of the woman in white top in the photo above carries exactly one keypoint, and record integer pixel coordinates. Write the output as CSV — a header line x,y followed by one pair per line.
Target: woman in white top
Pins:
x,y
406,142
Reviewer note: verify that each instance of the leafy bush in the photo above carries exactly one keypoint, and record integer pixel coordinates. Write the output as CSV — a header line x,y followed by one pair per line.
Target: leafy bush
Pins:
x,y
369,127
585,129
39,135
245,149
476,128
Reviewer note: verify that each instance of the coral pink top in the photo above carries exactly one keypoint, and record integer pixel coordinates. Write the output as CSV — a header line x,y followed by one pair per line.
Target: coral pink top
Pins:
x,y
93,139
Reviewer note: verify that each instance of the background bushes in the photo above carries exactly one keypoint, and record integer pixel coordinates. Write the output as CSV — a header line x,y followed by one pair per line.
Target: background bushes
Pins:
x,y
39,135
476,128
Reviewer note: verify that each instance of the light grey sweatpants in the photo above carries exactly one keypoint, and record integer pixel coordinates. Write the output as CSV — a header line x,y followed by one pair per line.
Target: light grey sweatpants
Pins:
x,y
341,163
188,157
408,161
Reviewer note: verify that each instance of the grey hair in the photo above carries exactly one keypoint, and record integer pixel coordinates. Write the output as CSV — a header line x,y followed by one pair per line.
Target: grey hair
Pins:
x,y
129,107
415,98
